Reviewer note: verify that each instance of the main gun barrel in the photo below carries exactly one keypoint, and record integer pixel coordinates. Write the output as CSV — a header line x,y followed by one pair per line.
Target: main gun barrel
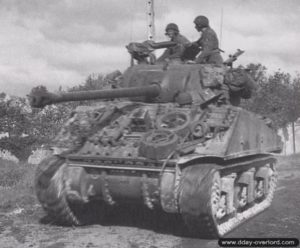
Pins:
x,y
40,97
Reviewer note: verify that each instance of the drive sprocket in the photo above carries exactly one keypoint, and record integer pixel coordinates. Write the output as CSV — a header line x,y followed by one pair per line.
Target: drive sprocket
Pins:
x,y
205,204
51,190
196,187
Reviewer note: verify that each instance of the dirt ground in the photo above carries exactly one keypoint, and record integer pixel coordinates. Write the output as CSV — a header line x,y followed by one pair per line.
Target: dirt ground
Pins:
x,y
29,227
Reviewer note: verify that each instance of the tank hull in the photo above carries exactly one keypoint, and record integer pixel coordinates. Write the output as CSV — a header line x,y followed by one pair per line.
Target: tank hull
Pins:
x,y
207,161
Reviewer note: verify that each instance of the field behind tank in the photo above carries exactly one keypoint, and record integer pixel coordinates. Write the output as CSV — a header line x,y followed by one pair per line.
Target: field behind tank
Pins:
x,y
16,185
23,222
289,162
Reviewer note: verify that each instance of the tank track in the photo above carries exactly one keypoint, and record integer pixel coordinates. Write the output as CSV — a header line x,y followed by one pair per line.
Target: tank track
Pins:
x,y
199,197
199,194
51,191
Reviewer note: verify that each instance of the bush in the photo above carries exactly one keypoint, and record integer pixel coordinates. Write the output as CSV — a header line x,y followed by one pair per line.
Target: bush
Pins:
x,y
16,185
10,173
287,162
28,129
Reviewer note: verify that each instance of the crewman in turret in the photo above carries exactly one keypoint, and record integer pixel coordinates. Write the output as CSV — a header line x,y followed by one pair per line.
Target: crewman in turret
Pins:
x,y
208,42
174,54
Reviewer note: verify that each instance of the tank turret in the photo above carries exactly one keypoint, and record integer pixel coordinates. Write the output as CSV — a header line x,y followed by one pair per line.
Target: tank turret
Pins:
x,y
161,83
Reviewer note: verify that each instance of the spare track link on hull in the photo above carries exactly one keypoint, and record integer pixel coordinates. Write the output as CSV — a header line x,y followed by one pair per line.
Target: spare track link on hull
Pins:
x,y
51,190
200,194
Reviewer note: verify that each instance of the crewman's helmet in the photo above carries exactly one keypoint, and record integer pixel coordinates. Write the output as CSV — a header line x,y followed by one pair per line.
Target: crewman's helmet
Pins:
x,y
172,26
201,22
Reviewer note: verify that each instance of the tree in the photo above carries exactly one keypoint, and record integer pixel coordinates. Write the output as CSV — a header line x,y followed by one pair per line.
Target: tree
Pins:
x,y
15,122
28,128
294,110
275,96
92,82
257,72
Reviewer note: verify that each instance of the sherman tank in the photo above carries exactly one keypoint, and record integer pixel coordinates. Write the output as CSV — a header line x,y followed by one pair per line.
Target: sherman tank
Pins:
x,y
169,136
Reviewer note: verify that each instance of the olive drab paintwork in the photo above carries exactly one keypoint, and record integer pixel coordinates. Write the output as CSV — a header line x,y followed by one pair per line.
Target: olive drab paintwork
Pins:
x,y
173,141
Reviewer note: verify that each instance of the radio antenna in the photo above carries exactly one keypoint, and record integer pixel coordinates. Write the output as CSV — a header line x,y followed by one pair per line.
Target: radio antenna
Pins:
x,y
221,27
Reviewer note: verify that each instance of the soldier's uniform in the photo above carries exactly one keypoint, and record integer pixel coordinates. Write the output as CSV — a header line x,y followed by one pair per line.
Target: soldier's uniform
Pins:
x,y
175,53
208,42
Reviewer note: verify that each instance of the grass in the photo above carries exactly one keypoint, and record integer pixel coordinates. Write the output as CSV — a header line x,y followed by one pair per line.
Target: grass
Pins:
x,y
10,173
16,185
290,161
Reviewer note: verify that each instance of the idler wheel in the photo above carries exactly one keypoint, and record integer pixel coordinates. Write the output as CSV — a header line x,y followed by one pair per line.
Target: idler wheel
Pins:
x,y
176,121
158,144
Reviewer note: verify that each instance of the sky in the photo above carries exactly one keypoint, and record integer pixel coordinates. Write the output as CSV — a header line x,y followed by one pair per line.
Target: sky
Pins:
x,y
61,42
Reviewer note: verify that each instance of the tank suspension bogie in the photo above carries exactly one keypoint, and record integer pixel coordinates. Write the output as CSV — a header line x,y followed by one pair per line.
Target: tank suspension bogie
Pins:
x,y
245,185
243,196
232,197
227,196
261,181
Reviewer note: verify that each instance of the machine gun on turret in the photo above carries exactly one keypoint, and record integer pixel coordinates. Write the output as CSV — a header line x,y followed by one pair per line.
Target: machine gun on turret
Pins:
x,y
233,58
